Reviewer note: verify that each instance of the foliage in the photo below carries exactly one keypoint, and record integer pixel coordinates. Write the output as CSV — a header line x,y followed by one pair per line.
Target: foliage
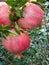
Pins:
x,y
37,53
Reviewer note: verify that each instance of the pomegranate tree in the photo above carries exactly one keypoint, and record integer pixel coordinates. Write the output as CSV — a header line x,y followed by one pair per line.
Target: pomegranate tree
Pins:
x,y
16,43
32,16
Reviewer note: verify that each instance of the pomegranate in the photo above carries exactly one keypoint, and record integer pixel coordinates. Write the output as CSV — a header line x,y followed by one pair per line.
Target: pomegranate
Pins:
x,y
16,43
32,16
4,14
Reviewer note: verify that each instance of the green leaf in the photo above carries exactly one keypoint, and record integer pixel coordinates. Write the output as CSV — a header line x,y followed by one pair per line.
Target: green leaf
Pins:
x,y
18,12
11,32
12,18
16,2
17,29
41,1
2,28
10,2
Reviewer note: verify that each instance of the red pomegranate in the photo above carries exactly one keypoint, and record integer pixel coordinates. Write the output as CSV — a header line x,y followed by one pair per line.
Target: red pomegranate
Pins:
x,y
17,43
32,16
4,14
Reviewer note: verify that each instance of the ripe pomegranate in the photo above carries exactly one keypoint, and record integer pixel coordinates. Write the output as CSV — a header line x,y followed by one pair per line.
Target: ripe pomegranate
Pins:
x,y
4,14
32,16
16,43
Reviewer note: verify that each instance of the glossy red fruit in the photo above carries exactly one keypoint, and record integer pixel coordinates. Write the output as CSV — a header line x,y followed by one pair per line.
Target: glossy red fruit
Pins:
x,y
33,15
16,44
4,14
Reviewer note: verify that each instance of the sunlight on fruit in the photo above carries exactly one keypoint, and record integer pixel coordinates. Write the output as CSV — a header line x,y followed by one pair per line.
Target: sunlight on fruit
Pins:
x,y
33,0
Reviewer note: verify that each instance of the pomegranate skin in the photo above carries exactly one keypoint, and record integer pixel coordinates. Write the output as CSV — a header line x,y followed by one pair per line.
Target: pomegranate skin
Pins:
x,y
16,44
33,16
4,14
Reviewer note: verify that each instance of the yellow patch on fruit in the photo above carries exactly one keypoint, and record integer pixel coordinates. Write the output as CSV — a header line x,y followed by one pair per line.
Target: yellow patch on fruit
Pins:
x,y
33,0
